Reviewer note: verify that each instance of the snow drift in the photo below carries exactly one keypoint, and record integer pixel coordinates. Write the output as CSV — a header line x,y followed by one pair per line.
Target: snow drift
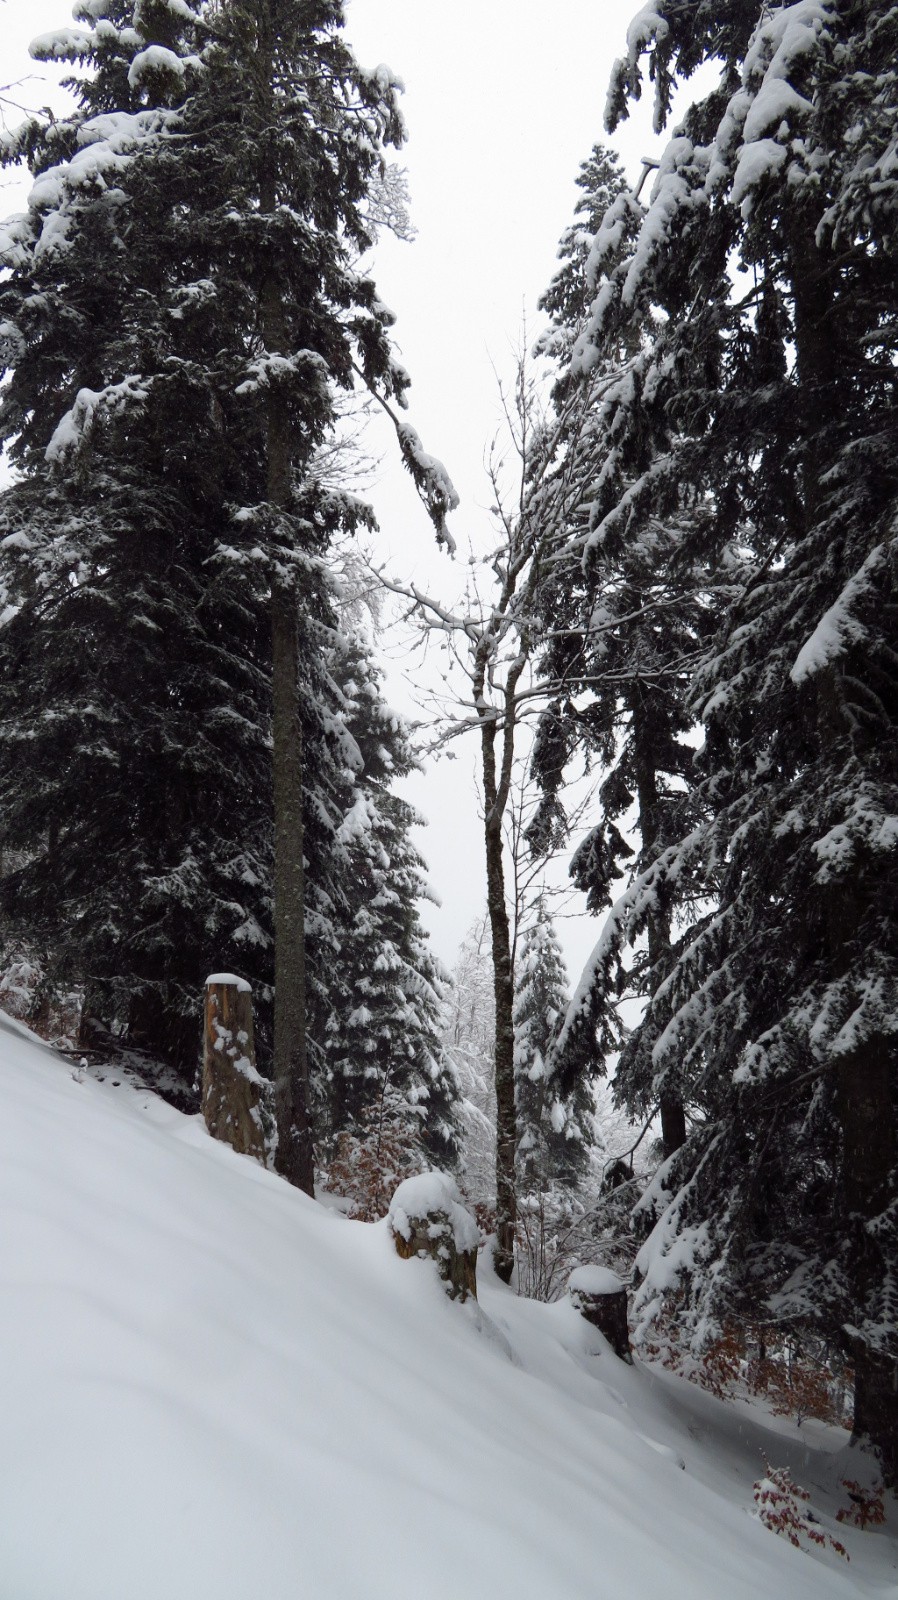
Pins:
x,y
215,1387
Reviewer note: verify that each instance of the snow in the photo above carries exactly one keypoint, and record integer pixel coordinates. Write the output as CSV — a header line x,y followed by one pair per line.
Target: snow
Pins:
x,y
594,1280
62,44
273,368
216,1389
647,27
439,486
76,425
228,978
783,37
768,111
777,102
838,627
428,1192
156,58
180,9
757,162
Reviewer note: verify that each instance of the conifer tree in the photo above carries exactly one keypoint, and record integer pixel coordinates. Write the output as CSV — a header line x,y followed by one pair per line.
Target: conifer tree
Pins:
x,y
376,1025
554,1133
182,305
622,613
469,1042
109,535
781,1009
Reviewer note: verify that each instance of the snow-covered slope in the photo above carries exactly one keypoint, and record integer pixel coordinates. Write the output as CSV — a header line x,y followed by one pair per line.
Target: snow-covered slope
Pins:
x,y
213,1387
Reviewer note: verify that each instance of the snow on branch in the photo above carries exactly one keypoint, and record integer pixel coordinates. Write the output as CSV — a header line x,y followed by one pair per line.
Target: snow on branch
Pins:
x,y
649,28
624,921
270,369
838,627
90,405
435,488
62,44
762,119
431,479
157,59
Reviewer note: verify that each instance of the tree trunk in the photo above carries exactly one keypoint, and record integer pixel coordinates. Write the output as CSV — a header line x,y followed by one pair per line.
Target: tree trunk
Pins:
x,y
863,1100
673,1113
503,986
295,1155
868,1155
235,1103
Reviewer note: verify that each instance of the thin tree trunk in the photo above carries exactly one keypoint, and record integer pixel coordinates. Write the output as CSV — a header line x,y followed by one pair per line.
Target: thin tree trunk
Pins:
x,y
673,1113
295,1155
496,789
503,986
868,1157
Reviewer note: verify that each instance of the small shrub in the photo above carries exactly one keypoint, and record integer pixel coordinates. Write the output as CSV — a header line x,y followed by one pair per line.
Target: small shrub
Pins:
x,y
781,1503
799,1384
371,1159
27,995
796,1380
557,1230
867,1508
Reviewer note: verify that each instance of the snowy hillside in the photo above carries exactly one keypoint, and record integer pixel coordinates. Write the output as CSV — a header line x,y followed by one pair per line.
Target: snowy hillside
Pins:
x,y
214,1387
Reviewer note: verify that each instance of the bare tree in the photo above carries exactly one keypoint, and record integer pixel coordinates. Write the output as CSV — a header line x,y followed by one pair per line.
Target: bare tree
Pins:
x,y
493,635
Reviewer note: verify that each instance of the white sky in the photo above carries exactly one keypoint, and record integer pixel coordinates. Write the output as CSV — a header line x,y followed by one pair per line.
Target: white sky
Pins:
x,y
504,99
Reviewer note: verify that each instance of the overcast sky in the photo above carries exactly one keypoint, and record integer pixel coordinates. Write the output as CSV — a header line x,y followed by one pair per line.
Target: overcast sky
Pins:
x,y
504,99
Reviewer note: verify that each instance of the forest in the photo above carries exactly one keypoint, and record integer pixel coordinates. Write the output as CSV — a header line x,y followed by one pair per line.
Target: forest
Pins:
x,y
678,662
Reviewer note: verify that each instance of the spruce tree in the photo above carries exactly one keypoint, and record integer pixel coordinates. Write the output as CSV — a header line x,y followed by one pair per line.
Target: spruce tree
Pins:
x,y
623,611
469,1042
181,307
781,1009
380,993
110,532
554,1132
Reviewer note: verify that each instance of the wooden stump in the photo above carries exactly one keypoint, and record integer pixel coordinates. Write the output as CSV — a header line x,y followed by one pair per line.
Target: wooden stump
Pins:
x,y
601,1298
427,1218
237,1102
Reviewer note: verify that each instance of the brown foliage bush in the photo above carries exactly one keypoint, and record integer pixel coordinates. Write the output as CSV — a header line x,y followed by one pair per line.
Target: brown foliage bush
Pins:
x,y
781,1503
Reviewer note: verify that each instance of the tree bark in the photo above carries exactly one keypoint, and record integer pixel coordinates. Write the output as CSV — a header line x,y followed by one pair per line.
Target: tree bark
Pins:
x,y
295,1154
673,1113
234,1097
496,789
503,986
863,1099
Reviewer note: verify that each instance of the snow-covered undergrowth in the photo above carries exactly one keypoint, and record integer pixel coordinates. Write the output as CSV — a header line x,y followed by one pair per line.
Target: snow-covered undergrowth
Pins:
x,y
214,1387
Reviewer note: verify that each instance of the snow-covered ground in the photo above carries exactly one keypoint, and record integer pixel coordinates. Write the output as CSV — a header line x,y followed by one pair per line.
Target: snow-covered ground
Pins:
x,y
214,1387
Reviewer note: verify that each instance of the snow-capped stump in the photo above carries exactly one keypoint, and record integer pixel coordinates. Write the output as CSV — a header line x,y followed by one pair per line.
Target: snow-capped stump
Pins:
x,y
237,1102
427,1218
601,1298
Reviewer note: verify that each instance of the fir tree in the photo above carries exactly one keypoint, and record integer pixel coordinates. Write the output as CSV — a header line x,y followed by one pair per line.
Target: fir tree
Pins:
x,y
376,1043
469,1042
623,612
554,1133
110,533
181,307
781,1009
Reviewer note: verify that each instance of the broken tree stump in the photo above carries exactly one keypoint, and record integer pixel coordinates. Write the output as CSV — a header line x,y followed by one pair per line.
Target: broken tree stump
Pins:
x,y
237,1101
601,1298
427,1218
